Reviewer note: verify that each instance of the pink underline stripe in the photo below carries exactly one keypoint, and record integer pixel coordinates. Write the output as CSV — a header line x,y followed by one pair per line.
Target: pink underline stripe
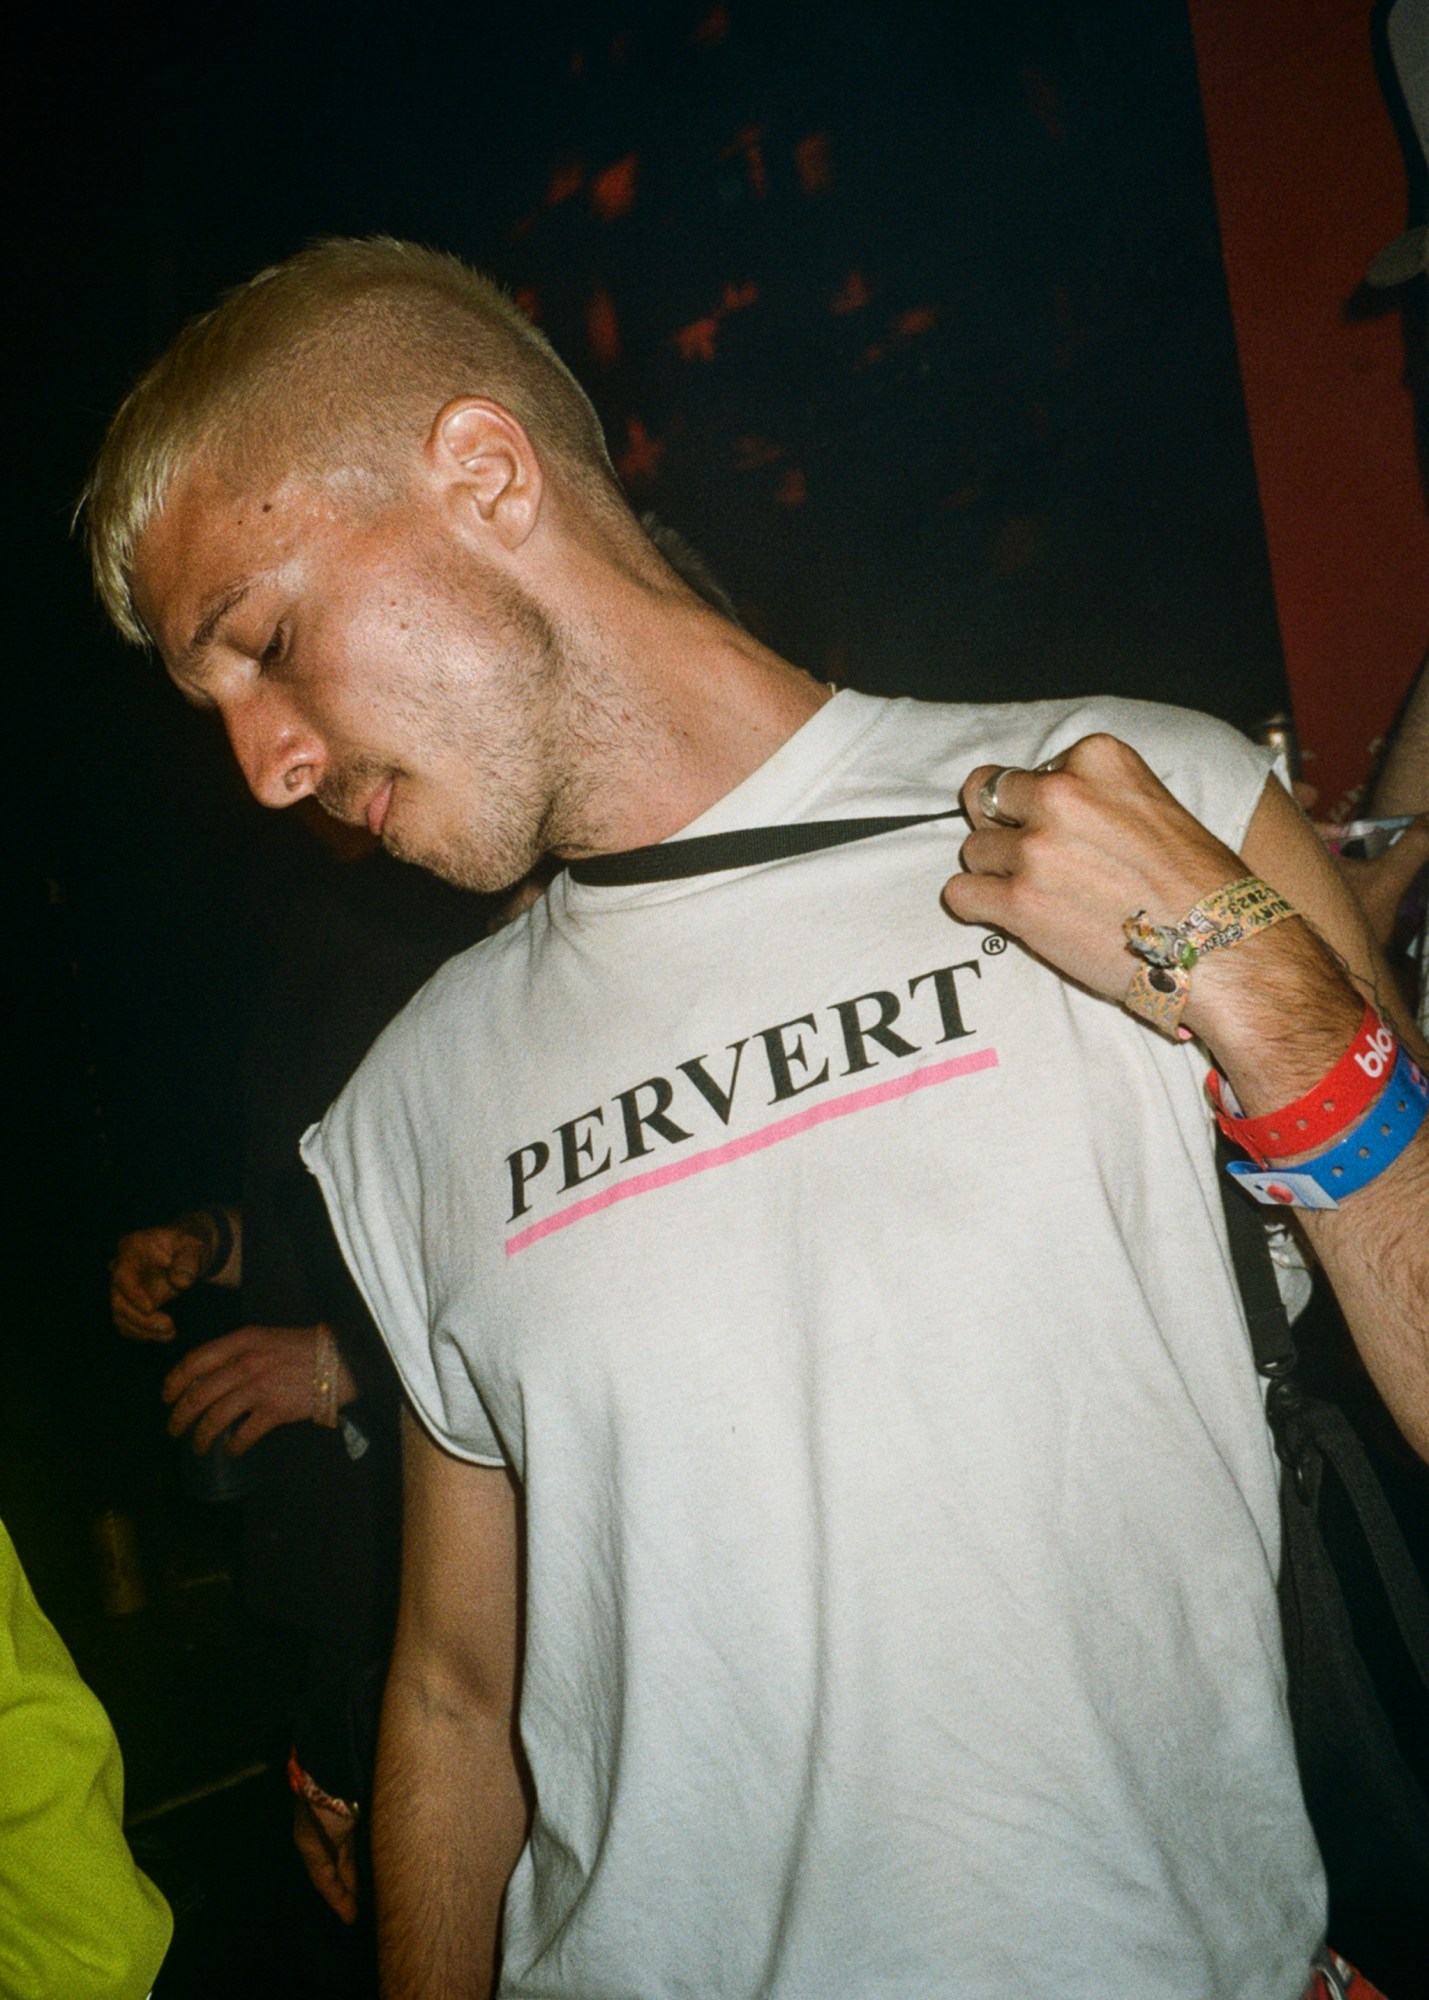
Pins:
x,y
754,1142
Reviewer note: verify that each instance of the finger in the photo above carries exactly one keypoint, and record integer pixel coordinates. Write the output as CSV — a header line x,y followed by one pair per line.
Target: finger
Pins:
x,y
201,1397
218,1416
198,1396
992,850
255,1425
980,899
971,793
187,1263
135,1287
184,1375
1015,791
339,1898
317,1859
332,1874
347,1880
213,1355
140,1325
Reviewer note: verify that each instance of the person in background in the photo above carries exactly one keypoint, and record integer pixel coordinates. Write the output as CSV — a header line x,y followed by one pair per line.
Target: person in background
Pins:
x,y
305,1379
78,1919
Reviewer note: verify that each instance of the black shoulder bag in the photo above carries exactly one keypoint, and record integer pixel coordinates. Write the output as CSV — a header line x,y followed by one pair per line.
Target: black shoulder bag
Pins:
x,y
1367,1804
1369,1808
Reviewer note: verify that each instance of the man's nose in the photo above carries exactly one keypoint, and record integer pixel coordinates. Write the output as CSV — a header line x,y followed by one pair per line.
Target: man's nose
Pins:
x,y
279,756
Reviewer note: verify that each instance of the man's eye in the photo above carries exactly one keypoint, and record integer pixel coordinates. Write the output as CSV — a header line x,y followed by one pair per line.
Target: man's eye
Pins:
x,y
274,650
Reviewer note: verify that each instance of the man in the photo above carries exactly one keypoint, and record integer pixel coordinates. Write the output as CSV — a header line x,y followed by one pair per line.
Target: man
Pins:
x,y
834,1412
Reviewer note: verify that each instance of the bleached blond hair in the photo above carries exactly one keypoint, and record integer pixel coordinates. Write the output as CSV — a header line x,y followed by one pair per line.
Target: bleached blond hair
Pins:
x,y
335,361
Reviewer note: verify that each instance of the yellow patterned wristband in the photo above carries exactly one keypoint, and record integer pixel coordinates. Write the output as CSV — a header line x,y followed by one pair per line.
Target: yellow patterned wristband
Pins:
x,y
1161,986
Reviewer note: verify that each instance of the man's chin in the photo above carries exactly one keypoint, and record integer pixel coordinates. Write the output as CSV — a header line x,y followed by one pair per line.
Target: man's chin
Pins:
x,y
481,874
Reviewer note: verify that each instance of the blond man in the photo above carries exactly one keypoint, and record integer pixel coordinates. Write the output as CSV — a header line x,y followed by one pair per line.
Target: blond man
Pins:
x,y
840,1531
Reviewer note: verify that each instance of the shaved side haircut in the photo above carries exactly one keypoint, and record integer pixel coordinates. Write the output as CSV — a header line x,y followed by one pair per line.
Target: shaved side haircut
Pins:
x,y
332,367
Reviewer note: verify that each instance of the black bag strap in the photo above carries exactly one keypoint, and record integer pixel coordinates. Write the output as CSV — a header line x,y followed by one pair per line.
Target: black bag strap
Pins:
x,y
743,847
1271,1341
1310,1433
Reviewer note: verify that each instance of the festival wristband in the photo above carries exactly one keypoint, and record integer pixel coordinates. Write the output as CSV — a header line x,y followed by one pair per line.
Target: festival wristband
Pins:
x,y
1322,1114
1160,988
1158,995
1376,1143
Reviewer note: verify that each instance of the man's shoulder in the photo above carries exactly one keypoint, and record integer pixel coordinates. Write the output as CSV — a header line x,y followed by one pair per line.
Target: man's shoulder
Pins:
x,y
1171,739
917,755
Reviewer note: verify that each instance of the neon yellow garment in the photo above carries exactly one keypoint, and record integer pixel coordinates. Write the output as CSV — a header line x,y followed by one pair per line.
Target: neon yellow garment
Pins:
x,y
78,1921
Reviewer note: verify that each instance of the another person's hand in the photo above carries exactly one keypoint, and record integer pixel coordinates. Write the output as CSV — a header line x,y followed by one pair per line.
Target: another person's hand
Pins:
x,y
325,1841
149,1269
1380,886
261,1374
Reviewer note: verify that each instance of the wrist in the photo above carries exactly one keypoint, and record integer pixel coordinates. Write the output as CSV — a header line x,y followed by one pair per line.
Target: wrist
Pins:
x,y
1276,1013
1219,920
334,1385
1353,1159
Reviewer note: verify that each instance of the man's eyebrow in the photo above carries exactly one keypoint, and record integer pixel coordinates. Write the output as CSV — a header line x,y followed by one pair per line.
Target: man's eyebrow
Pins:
x,y
213,618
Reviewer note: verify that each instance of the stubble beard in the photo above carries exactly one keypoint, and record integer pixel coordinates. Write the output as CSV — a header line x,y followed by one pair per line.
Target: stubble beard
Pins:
x,y
507,752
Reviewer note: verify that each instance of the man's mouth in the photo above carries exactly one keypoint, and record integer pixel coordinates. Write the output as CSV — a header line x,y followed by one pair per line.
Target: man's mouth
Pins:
x,y
377,807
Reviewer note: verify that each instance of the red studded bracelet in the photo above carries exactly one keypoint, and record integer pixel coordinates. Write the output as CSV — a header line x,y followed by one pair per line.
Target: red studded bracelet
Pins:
x,y
1322,1114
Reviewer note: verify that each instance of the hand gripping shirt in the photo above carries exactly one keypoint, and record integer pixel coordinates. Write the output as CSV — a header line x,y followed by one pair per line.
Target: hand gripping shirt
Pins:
x,y
849,1293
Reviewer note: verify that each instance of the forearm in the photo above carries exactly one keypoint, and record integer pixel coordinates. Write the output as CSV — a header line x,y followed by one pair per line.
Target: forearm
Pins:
x,y
1277,1013
449,1820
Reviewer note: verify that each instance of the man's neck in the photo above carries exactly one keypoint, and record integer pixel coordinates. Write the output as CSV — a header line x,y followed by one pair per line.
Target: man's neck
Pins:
x,y
671,709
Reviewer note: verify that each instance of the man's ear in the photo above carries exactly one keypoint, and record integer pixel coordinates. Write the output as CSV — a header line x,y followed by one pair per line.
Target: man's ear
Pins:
x,y
488,465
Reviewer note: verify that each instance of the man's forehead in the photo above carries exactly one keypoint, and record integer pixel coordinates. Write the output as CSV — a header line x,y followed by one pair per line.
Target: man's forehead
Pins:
x,y
205,548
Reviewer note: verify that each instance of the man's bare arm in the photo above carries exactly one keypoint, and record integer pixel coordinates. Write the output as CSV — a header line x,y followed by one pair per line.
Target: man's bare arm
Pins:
x,y
450,1812
1375,1250
1102,838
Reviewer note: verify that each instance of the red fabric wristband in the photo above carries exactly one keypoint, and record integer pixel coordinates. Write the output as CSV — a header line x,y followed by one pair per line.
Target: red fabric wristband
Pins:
x,y
1322,1114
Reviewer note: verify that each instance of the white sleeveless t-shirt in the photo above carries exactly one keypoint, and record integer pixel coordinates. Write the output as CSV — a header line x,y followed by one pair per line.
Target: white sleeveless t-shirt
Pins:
x,y
849,1293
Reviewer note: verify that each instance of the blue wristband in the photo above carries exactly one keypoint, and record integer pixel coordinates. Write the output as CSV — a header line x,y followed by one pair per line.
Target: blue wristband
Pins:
x,y
1377,1141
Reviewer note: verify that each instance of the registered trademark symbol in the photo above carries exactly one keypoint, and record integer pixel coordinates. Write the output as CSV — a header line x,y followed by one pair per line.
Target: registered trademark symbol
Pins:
x,y
993,943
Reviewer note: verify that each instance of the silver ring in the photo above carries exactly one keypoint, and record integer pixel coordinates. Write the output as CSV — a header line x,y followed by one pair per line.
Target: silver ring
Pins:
x,y
987,798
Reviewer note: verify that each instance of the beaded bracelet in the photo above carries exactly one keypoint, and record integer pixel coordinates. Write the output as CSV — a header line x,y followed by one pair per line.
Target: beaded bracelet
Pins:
x,y
1160,988
1322,1114
325,1369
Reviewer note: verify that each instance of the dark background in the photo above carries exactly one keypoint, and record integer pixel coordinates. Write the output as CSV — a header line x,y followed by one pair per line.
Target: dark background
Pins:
x,y
911,318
